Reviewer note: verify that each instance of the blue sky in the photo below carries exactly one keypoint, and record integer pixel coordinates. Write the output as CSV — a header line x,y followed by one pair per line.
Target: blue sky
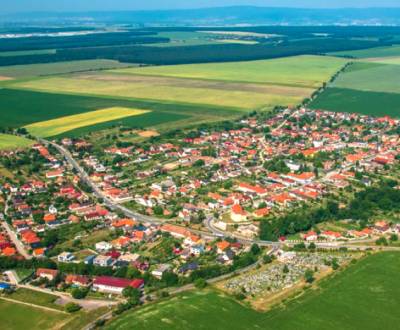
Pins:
x,y
85,5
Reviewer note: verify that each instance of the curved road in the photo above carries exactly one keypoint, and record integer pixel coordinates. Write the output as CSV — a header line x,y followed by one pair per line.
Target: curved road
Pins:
x,y
214,232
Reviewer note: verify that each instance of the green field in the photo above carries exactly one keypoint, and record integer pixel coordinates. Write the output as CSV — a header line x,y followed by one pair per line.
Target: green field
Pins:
x,y
366,87
32,70
364,296
300,71
370,77
36,297
184,92
14,316
12,142
61,125
180,95
351,100
391,51
28,52
20,108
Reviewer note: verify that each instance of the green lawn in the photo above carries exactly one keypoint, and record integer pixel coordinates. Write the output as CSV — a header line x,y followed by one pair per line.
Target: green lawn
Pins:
x,y
14,316
8,141
351,100
31,70
304,71
36,297
364,296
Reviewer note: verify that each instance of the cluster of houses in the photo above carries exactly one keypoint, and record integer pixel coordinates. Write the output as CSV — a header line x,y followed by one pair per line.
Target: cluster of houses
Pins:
x,y
103,284
317,152
378,229
7,248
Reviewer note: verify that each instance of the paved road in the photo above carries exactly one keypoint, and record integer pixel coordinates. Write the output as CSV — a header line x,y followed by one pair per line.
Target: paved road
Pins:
x,y
13,236
107,201
214,232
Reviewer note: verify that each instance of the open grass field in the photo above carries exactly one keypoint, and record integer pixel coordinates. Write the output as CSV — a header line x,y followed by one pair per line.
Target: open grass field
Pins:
x,y
181,94
150,89
367,87
64,124
388,51
351,100
300,71
8,141
28,52
19,315
364,296
371,76
36,297
14,316
33,70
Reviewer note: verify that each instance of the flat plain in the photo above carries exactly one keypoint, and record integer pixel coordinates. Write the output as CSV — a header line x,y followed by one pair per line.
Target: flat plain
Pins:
x,y
367,86
351,100
180,95
240,99
363,296
371,76
32,70
387,51
299,71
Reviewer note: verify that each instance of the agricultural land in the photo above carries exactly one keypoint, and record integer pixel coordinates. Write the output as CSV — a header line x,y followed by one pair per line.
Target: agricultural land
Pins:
x,y
369,86
344,301
207,92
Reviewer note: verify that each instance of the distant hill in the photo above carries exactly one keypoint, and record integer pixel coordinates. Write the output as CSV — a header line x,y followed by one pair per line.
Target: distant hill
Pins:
x,y
238,15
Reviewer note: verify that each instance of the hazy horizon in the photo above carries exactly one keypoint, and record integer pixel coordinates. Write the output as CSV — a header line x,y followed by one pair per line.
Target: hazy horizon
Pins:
x,y
117,5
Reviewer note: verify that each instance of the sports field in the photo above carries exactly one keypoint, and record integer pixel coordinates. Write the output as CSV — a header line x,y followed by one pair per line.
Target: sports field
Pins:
x,y
300,71
364,296
33,70
64,124
13,142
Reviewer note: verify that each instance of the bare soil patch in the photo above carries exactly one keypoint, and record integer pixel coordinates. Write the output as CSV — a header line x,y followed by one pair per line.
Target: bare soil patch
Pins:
x,y
148,134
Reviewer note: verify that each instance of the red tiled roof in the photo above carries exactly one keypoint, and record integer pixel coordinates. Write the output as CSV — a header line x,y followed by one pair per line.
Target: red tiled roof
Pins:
x,y
118,282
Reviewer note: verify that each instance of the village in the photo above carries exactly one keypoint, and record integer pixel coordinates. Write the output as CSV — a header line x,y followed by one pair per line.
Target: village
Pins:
x,y
200,198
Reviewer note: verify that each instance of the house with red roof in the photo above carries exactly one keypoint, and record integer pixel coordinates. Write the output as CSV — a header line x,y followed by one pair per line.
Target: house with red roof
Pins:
x,y
50,274
238,214
115,285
